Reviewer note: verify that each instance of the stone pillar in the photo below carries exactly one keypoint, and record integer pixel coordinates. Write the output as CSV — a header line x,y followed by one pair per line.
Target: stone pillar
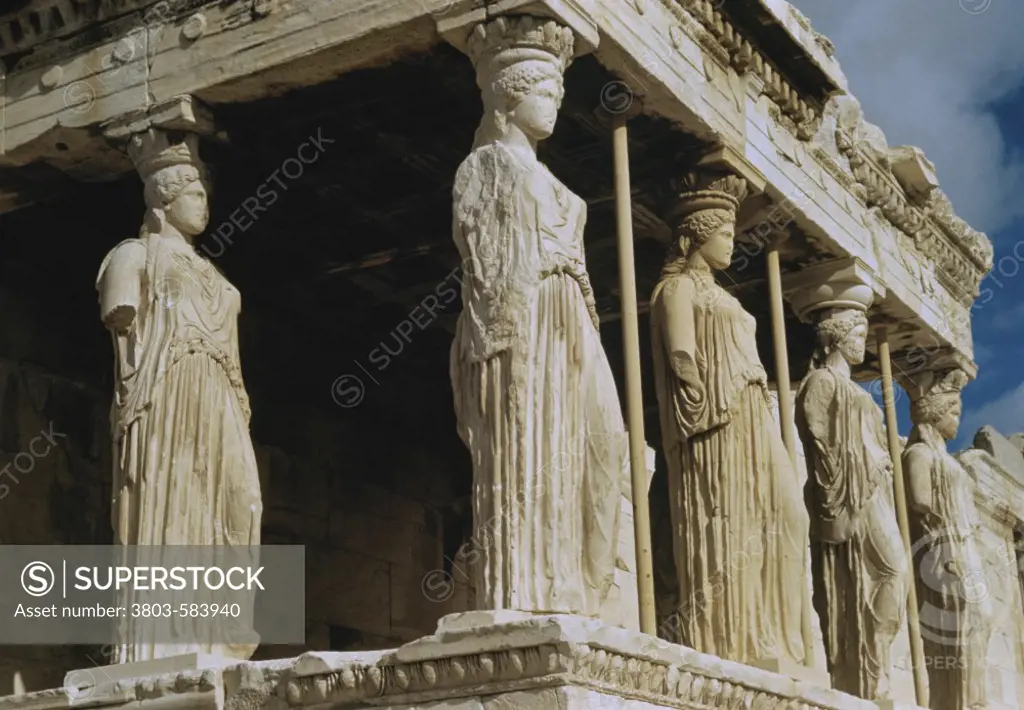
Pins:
x,y
738,556
180,405
859,559
954,586
552,530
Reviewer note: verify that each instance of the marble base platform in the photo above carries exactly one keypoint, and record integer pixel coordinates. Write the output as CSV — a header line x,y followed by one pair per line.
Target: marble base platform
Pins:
x,y
797,671
81,682
898,705
475,661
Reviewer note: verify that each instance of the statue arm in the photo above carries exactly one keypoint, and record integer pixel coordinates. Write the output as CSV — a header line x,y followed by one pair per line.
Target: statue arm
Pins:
x,y
819,405
817,398
692,406
580,268
496,232
120,285
583,278
681,330
918,466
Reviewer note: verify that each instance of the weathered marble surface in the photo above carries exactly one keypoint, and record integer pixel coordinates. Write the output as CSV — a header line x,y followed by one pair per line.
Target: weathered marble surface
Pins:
x,y
861,567
740,527
184,465
1006,453
535,399
999,500
475,660
35,106
953,588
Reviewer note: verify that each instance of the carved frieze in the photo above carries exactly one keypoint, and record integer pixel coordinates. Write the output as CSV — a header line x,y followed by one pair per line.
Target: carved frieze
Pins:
x,y
962,255
745,57
43,21
593,666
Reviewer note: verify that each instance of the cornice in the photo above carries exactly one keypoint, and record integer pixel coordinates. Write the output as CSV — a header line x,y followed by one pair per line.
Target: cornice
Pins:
x,y
730,45
46,20
963,255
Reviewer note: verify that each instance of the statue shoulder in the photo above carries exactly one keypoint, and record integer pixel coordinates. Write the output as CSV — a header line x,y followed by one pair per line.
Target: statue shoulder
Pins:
x,y
486,162
919,456
820,381
125,257
815,401
677,291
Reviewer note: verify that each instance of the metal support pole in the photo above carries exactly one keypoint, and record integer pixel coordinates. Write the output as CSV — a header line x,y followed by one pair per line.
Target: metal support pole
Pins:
x,y
781,352
634,398
900,495
786,414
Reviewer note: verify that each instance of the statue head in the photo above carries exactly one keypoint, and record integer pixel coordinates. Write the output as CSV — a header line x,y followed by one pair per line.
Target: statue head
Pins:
x,y
705,221
843,331
177,196
175,182
938,402
520,61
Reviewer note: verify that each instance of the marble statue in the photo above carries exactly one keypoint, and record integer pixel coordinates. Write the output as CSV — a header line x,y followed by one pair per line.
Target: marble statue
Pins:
x,y
953,594
534,395
860,566
740,527
184,466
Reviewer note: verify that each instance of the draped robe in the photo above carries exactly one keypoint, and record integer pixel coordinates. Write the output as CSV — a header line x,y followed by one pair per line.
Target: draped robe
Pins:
x,y
857,555
740,525
953,590
184,466
534,394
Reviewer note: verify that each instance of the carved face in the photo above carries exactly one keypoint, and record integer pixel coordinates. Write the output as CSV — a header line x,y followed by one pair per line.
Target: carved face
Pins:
x,y
855,344
189,213
949,424
717,250
536,114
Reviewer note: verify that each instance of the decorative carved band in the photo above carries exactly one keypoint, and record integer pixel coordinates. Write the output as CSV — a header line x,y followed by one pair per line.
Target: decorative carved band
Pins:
x,y
603,670
963,255
745,57
46,20
379,678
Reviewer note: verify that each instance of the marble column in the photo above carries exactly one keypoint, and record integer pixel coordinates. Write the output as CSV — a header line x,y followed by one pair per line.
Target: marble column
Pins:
x,y
535,400
859,562
955,606
184,467
740,526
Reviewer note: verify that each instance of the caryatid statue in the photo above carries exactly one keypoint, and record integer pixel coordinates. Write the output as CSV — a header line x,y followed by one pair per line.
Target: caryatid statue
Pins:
x,y
534,395
737,511
953,591
859,562
184,466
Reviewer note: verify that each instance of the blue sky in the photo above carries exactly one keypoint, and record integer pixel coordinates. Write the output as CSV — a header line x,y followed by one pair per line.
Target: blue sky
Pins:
x,y
997,396
948,76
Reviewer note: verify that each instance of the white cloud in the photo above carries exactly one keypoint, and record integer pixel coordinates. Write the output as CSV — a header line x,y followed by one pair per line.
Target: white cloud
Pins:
x,y
926,71
1005,413
1008,318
